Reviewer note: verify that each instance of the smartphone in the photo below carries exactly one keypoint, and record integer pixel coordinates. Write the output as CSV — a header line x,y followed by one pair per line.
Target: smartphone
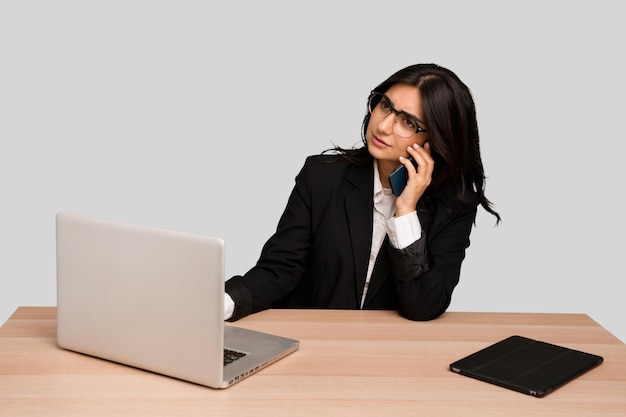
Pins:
x,y
399,177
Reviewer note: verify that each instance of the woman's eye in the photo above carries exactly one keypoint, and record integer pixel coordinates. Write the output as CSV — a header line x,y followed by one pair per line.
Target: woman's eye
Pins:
x,y
409,123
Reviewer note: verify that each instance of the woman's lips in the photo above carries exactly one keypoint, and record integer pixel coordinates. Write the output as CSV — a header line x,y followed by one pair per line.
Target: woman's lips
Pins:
x,y
379,142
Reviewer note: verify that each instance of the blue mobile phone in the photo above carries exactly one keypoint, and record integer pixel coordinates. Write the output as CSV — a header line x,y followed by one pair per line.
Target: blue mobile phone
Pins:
x,y
399,177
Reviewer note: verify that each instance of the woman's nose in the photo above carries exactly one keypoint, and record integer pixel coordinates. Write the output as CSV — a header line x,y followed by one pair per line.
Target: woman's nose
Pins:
x,y
386,123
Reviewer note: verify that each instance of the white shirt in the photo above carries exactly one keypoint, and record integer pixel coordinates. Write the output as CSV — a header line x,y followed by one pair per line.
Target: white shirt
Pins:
x,y
402,232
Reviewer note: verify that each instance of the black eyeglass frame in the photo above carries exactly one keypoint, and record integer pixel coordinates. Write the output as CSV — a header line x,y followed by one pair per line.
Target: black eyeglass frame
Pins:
x,y
376,97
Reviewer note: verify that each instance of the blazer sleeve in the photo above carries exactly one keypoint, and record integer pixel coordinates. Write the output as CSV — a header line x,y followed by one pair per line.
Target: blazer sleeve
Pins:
x,y
427,271
282,261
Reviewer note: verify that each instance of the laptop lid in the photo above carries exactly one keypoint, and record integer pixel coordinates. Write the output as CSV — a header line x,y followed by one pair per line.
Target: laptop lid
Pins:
x,y
526,365
150,298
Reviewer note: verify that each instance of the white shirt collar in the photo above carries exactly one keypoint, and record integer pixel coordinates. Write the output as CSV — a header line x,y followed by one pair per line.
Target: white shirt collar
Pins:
x,y
378,186
383,198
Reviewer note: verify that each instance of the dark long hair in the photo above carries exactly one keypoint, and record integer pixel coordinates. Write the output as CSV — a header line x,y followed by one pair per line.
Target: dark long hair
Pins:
x,y
450,117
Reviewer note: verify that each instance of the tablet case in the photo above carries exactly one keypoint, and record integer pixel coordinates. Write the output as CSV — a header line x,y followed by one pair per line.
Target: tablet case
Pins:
x,y
526,365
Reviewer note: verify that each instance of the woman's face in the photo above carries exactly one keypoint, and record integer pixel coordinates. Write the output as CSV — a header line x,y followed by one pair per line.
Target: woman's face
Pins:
x,y
383,141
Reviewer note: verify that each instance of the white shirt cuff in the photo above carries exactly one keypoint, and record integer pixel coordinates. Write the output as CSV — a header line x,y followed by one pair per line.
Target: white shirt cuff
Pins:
x,y
229,306
404,230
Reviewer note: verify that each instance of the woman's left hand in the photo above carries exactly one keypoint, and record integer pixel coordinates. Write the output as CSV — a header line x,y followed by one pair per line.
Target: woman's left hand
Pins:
x,y
419,179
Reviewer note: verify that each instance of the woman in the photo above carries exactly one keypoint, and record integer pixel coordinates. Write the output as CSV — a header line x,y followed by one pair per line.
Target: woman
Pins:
x,y
345,241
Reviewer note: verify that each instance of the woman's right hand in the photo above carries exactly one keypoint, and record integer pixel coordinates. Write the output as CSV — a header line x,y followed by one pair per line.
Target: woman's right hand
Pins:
x,y
419,179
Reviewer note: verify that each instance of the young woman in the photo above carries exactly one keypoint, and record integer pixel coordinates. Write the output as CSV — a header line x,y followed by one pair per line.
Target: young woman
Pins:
x,y
345,241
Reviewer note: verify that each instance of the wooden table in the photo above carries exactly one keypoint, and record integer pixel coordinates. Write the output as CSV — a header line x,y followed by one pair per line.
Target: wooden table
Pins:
x,y
350,363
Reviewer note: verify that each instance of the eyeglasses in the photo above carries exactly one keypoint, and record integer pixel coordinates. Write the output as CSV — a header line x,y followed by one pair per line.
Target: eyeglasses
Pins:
x,y
404,124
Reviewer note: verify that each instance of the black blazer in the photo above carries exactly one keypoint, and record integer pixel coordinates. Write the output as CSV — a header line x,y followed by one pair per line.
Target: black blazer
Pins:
x,y
319,255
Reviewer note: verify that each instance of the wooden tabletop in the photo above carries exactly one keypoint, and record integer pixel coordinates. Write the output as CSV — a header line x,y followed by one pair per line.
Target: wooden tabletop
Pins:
x,y
350,363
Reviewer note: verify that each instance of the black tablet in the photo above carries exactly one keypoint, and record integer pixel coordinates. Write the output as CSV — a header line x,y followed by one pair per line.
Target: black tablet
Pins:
x,y
526,365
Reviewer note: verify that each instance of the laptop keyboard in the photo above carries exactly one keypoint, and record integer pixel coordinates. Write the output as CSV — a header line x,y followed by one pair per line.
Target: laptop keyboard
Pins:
x,y
232,355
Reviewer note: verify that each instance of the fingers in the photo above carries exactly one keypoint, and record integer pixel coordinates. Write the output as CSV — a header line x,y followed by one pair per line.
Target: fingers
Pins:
x,y
421,155
419,178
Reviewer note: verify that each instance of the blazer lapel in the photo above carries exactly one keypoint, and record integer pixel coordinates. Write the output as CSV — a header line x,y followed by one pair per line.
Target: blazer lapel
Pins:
x,y
359,205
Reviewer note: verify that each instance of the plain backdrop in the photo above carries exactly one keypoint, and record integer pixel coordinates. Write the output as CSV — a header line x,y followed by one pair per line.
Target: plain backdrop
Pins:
x,y
197,116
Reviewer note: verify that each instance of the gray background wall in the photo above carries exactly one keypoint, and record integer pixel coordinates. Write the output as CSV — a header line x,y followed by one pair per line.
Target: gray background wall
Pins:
x,y
197,117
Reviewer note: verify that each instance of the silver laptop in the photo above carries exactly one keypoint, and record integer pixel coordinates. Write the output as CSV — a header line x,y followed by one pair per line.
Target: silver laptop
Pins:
x,y
153,299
